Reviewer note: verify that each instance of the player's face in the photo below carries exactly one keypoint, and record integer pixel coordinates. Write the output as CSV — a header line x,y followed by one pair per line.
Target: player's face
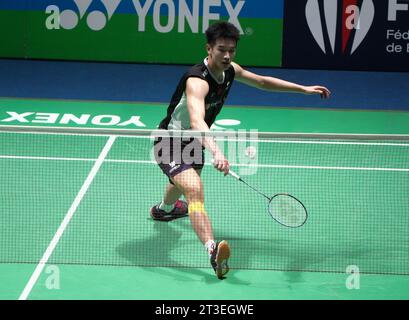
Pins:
x,y
222,53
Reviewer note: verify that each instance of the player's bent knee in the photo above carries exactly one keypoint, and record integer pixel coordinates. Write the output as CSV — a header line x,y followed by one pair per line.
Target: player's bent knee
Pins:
x,y
197,207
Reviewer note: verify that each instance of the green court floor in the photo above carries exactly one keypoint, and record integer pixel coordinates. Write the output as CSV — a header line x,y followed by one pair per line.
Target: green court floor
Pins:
x,y
110,249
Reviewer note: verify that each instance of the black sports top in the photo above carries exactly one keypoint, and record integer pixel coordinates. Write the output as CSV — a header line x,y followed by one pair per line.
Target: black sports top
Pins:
x,y
177,117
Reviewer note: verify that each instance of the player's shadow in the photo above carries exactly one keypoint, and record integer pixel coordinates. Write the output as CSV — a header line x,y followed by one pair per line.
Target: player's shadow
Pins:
x,y
248,253
252,253
282,255
156,251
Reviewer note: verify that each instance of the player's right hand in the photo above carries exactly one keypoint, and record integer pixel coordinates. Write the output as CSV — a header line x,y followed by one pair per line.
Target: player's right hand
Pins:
x,y
221,163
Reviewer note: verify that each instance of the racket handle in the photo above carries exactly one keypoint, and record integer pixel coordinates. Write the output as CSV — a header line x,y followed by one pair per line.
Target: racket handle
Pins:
x,y
234,175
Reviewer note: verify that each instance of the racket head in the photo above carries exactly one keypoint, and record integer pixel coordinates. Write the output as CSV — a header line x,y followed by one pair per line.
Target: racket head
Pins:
x,y
287,210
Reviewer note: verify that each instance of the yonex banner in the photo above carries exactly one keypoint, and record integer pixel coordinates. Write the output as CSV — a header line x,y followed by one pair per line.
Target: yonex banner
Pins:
x,y
160,31
347,34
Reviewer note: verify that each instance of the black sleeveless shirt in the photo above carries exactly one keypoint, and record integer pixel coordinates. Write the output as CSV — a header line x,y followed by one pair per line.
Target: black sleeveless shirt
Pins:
x,y
177,117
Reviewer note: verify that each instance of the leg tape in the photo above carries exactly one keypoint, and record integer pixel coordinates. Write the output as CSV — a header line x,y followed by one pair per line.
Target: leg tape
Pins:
x,y
197,207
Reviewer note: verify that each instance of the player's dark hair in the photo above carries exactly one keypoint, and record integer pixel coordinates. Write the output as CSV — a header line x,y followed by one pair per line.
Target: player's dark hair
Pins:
x,y
222,29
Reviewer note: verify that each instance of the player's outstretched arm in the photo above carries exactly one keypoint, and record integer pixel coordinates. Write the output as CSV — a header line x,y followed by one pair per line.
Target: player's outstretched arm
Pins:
x,y
196,91
274,84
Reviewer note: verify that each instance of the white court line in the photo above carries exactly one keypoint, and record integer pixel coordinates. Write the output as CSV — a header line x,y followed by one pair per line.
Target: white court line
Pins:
x,y
283,166
325,142
320,167
34,277
46,158
238,139
277,166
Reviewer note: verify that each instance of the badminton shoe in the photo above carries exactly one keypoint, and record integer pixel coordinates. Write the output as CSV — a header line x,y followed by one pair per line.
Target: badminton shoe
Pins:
x,y
180,210
219,258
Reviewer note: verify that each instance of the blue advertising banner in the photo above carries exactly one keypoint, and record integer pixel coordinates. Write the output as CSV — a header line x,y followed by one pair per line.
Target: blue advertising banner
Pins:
x,y
248,9
346,34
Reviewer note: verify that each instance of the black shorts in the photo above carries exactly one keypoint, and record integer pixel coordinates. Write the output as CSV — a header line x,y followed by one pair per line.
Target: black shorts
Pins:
x,y
174,155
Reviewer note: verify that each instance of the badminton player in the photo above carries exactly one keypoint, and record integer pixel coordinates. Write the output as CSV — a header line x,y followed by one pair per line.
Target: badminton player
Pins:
x,y
197,100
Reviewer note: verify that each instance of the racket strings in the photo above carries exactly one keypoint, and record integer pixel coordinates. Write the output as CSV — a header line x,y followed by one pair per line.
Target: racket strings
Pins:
x,y
287,210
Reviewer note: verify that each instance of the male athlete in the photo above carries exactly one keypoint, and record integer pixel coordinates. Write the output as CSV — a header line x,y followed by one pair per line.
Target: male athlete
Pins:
x,y
195,104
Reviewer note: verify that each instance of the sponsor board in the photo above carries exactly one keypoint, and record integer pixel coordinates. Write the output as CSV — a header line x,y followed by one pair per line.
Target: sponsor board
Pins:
x,y
152,31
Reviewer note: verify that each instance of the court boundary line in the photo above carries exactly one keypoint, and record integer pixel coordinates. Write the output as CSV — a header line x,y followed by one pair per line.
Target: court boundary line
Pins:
x,y
237,140
46,158
122,132
84,188
229,134
273,166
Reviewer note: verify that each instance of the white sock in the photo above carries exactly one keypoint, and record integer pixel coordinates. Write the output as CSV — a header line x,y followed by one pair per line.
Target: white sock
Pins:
x,y
166,207
210,245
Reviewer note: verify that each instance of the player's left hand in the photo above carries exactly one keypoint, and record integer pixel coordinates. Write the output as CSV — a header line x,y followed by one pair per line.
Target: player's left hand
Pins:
x,y
322,91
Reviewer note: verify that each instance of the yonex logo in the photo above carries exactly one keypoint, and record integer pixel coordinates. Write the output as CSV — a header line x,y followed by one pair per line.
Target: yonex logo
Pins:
x,y
178,13
356,22
68,118
173,166
69,19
